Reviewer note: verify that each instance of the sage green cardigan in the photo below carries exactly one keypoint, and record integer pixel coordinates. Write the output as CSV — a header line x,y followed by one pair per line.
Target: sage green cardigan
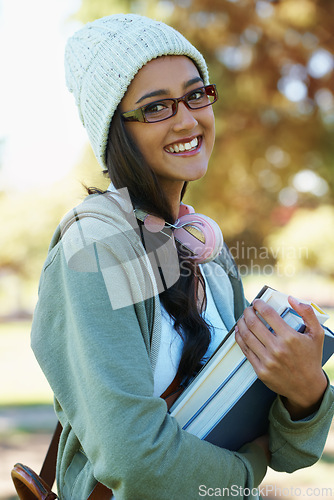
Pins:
x,y
99,361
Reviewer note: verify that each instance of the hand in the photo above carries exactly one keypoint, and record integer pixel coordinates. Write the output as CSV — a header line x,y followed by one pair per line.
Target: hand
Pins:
x,y
263,442
288,362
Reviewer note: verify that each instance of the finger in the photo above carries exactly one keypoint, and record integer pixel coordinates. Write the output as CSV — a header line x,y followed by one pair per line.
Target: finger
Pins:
x,y
258,328
250,355
306,312
274,320
249,339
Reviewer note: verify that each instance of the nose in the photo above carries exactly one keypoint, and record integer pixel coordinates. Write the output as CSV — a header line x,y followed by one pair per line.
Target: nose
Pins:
x,y
185,118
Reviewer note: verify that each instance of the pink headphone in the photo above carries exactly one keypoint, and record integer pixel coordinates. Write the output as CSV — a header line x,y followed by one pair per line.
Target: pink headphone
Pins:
x,y
196,232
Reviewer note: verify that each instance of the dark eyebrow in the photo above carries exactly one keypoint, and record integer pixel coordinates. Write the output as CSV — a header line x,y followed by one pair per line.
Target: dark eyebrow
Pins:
x,y
154,93
164,92
193,80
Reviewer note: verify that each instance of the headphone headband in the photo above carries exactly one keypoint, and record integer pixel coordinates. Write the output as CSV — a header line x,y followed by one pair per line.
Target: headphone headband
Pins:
x,y
198,233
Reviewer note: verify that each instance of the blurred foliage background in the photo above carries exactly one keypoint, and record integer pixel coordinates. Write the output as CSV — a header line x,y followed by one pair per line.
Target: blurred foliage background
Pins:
x,y
273,64
270,182
269,185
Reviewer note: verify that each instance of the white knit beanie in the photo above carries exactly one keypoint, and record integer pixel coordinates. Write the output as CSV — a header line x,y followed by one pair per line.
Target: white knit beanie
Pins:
x,y
102,58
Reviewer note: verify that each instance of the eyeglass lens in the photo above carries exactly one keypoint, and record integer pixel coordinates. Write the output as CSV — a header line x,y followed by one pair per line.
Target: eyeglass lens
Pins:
x,y
195,99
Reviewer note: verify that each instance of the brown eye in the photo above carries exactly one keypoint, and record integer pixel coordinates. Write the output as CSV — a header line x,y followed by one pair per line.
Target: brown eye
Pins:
x,y
158,109
197,97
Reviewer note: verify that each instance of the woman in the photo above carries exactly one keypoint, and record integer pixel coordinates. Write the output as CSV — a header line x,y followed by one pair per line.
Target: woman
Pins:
x,y
121,314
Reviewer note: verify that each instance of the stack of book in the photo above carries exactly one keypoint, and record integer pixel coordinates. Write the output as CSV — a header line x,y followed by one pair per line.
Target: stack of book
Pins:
x,y
226,404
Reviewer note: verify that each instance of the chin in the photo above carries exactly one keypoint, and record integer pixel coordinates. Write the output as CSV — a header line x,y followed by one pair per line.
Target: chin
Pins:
x,y
197,173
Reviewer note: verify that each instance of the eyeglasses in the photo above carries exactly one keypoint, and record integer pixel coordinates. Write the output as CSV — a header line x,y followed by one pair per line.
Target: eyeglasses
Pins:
x,y
158,111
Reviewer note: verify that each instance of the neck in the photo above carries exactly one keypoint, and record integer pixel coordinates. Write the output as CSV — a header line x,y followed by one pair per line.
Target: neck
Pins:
x,y
173,193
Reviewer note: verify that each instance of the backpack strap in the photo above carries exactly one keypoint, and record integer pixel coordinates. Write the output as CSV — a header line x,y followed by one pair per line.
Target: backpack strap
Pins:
x,y
48,470
100,492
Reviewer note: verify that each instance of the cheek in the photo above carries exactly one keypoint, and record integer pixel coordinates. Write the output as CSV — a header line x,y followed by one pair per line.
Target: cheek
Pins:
x,y
207,121
148,147
149,140
211,132
139,137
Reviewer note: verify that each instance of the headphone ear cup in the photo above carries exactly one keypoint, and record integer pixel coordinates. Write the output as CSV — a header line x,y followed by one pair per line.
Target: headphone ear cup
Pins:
x,y
185,209
154,224
201,235
218,242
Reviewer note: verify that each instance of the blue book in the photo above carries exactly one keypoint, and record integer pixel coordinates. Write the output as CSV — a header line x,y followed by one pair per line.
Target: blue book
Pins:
x,y
226,404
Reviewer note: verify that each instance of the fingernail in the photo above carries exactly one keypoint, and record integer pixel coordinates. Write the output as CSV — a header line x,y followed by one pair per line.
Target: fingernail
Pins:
x,y
294,300
236,329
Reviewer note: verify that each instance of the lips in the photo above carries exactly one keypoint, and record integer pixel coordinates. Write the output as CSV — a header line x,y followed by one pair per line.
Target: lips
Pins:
x,y
184,146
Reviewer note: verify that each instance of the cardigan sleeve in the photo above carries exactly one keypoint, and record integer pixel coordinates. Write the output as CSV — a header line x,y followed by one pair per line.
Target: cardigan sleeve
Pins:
x,y
96,359
297,444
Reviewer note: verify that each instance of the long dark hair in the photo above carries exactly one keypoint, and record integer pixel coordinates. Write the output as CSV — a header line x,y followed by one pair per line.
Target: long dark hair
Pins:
x,y
127,168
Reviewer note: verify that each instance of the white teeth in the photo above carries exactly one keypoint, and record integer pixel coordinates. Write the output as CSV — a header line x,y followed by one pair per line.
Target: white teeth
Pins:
x,y
187,146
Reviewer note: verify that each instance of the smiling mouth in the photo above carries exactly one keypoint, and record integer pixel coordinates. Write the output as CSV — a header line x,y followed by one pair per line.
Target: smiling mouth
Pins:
x,y
184,147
